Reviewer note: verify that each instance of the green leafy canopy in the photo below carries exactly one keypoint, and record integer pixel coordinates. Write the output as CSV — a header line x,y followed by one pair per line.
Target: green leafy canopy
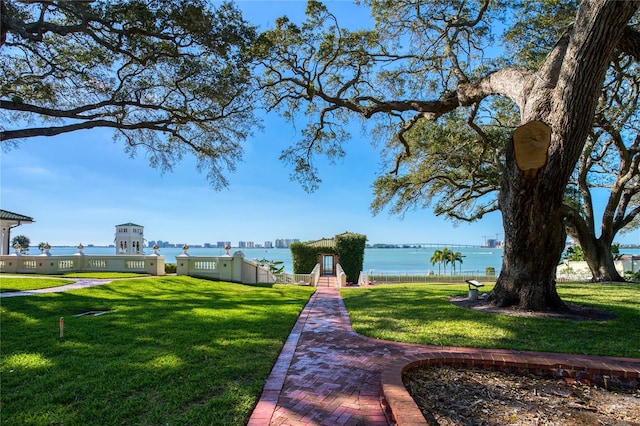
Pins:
x,y
169,77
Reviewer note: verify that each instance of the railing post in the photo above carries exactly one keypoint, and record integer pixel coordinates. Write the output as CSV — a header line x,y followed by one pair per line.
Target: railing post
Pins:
x,y
182,262
238,261
154,264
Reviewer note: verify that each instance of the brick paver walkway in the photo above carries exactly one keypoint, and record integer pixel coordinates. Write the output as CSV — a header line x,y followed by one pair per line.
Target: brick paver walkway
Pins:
x,y
326,374
329,375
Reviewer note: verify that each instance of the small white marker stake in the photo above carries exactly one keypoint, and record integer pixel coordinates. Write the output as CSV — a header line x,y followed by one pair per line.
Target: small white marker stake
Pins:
x,y
61,326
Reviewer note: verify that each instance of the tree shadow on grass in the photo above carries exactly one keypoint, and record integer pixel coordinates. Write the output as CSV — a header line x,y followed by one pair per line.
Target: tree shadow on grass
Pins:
x,y
172,351
424,315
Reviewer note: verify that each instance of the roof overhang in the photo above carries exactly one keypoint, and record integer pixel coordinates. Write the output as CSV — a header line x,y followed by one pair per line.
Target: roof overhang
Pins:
x,y
11,219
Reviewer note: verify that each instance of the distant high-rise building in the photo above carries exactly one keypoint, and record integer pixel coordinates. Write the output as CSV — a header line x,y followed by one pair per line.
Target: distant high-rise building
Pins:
x,y
268,244
286,242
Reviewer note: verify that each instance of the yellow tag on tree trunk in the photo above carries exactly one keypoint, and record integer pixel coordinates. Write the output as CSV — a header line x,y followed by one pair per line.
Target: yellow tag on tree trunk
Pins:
x,y
531,142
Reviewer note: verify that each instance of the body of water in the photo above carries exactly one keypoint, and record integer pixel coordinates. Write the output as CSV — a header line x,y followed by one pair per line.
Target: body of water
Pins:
x,y
413,261
391,261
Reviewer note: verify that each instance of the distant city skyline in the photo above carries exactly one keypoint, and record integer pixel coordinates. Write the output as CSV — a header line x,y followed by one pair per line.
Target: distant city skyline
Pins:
x,y
279,243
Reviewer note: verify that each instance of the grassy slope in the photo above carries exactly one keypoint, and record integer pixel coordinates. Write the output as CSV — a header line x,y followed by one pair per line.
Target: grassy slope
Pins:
x,y
29,283
173,350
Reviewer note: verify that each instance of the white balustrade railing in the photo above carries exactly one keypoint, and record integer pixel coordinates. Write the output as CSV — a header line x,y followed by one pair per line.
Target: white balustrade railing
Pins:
x,y
225,268
29,264
373,277
51,264
310,279
97,264
297,279
315,275
66,265
134,264
205,265
341,276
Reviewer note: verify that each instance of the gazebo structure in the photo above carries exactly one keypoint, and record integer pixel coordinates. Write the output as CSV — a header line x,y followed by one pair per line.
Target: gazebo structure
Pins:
x,y
347,249
327,256
8,221
129,239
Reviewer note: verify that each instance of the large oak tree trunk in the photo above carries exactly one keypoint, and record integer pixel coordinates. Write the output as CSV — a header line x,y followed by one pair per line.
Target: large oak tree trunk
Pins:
x,y
534,240
563,96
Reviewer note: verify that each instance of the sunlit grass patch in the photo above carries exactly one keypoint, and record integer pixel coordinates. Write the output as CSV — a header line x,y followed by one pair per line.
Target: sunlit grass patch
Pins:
x,y
421,313
24,361
29,283
170,350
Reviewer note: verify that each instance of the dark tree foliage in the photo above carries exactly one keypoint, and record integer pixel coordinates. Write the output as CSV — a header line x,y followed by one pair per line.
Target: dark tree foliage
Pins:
x,y
170,77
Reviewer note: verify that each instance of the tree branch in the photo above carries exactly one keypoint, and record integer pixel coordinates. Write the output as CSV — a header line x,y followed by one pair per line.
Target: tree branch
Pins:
x,y
630,43
53,131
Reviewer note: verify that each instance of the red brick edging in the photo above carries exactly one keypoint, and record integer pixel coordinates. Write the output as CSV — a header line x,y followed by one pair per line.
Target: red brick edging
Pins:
x,y
403,411
266,406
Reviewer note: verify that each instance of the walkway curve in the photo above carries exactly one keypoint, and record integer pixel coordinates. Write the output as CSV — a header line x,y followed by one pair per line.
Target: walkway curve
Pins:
x,y
78,283
327,374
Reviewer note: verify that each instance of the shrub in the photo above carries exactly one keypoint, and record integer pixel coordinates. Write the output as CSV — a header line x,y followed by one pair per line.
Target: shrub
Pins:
x,y
170,268
350,248
632,276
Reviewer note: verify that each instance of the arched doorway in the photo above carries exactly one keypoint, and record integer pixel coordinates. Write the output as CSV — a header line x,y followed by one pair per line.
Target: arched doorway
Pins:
x,y
328,264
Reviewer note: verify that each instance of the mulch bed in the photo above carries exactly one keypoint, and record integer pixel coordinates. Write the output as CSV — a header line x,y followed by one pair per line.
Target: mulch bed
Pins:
x,y
474,397
450,396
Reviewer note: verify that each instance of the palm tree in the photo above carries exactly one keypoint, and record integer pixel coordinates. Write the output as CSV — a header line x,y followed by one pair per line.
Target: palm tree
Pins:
x,y
437,258
22,242
446,257
456,257
275,267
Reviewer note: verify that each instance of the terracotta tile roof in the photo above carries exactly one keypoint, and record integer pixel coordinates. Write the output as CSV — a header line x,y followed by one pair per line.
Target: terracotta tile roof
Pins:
x,y
327,242
324,242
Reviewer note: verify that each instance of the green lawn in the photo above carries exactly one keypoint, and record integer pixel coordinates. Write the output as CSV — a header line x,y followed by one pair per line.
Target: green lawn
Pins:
x,y
179,350
32,282
170,351
29,283
420,313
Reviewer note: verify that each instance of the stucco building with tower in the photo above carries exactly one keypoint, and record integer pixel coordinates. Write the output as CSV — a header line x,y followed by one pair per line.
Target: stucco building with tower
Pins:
x,y
129,239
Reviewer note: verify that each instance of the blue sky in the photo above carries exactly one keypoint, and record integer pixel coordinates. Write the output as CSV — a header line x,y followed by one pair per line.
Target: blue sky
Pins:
x,y
80,185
